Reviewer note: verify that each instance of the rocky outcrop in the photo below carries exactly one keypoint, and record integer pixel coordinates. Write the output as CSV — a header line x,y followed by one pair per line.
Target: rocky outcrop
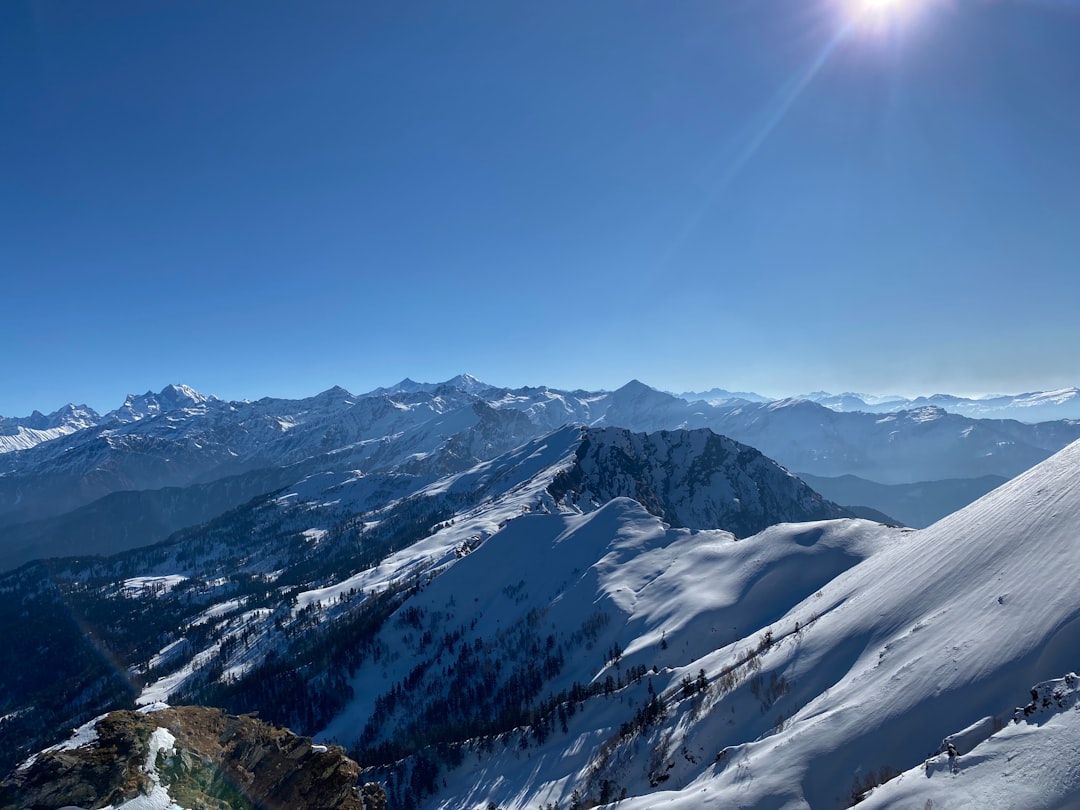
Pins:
x,y
200,758
691,479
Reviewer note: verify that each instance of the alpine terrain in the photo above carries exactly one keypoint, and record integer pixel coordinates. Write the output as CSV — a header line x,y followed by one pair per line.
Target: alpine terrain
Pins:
x,y
466,596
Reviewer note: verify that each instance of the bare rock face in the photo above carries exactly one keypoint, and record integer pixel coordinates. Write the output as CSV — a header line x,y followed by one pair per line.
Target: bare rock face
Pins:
x,y
207,760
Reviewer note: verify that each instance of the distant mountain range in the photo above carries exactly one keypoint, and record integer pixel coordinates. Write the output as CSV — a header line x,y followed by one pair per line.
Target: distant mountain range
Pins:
x,y
1036,406
20,433
25,432
86,483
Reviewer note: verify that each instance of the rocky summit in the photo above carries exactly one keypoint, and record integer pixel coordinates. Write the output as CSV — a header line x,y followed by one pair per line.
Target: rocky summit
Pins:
x,y
193,757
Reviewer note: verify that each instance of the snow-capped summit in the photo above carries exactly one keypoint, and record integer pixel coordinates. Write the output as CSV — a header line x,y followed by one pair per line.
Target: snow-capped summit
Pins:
x,y
23,433
170,398
467,383
182,396
462,382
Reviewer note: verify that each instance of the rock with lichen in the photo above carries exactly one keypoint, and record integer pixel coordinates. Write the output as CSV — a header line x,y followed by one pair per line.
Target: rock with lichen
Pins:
x,y
195,757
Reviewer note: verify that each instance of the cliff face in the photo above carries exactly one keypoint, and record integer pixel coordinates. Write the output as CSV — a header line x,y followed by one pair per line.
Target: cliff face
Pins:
x,y
689,478
191,756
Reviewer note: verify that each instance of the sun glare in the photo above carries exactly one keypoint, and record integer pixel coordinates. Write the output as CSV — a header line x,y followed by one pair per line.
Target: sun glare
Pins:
x,y
880,13
877,7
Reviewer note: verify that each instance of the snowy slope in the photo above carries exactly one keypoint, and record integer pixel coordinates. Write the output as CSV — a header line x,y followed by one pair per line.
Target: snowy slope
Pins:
x,y
459,512
988,604
859,670
613,575
993,769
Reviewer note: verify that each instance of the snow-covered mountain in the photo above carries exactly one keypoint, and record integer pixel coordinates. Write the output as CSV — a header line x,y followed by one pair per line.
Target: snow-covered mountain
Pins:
x,y
1036,406
169,460
463,382
317,544
691,479
170,399
574,621
798,667
205,439
23,433
720,396
903,447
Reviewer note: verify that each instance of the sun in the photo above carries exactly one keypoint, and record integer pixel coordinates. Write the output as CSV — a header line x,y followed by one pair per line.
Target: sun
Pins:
x,y
880,13
878,7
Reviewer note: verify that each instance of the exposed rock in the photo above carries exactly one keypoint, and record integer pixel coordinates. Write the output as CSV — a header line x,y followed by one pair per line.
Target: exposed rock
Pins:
x,y
689,478
218,762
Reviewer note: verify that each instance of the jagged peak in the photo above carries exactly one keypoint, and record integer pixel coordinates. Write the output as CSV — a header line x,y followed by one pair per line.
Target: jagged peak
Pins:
x,y
334,392
179,389
173,397
735,486
468,383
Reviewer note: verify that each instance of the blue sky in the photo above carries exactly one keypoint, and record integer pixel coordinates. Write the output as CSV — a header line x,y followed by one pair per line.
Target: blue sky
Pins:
x,y
269,198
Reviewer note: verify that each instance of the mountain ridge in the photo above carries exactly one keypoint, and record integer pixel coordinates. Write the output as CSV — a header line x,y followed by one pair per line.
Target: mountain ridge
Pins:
x,y
539,616
181,439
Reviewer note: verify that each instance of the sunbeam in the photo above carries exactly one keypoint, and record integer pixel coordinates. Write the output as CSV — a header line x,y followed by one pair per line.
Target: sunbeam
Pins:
x,y
773,115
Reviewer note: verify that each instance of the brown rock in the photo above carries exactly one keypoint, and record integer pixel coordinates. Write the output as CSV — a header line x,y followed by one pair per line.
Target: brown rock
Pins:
x,y
222,762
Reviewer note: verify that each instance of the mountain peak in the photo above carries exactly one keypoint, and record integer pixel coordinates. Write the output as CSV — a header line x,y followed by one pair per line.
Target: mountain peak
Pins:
x,y
182,395
636,389
690,478
334,392
462,382
172,397
467,383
